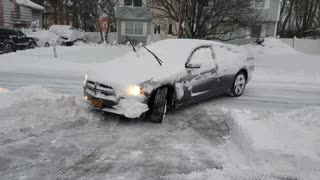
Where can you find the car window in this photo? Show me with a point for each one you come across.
(12, 32)
(19, 33)
(203, 56)
(3, 33)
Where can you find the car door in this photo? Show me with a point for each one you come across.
(201, 70)
(13, 35)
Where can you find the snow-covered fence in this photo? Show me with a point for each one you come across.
(309, 46)
(95, 37)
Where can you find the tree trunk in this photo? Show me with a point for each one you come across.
(287, 18)
(182, 17)
(107, 32)
(100, 30)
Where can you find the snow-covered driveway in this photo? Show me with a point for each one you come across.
(46, 132)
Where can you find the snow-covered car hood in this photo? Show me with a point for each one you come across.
(131, 70)
(137, 68)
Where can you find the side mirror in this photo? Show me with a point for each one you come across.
(193, 66)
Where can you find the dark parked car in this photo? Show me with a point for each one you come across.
(12, 40)
(167, 74)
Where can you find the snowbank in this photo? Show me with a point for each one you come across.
(279, 62)
(286, 140)
(37, 108)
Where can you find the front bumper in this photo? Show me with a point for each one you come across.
(102, 98)
(107, 105)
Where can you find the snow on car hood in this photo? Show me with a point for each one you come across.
(131, 70)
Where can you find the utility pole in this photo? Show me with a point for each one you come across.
(182, 17)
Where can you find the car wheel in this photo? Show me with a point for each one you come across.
(239, 84)
(46, 44)
(32, 45)
(159, 105)
(8, 48)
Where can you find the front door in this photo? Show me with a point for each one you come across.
(201, 70)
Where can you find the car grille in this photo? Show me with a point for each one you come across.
(97, 88)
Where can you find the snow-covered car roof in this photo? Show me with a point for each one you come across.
(173, 50)
(66, 32)
(30, 4)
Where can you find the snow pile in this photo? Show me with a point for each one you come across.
(288, 140)
(36, 108)
(270, 46)
(278, 62)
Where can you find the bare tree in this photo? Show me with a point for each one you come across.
(210, 19)
(298, 16)
(107, 8)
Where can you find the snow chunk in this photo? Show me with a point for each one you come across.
(270, 46)
(131, 107)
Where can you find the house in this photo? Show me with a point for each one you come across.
(265, 25)
(134, 21)
(20, 13)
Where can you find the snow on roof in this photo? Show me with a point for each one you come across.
(60, 28)
(30, 4)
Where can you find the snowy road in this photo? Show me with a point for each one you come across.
(260, 95)
(55, 137)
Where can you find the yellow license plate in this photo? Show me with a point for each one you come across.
(96, 103)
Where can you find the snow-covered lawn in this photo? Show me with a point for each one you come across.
(271, 132)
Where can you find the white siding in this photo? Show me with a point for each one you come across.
(145, 29)
(16, 14)
(123, 28)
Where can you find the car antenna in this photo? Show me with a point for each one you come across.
(157, 58)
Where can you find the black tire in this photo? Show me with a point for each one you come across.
(158, 106)
(8, 48)
(239, 84)
(46, 44)
(32, 45)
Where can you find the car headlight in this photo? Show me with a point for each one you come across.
(135, 91)
(85, 79)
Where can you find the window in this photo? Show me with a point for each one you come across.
(128, 2)
(204, 57)
(138, 28)
(129, 28)
(135, 3)
(261, 4)
(170, 29)
(134, 28)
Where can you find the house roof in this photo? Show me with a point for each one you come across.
(29, 4)
(137, 13)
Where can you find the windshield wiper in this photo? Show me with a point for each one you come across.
(134, 49)
(155, 56)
